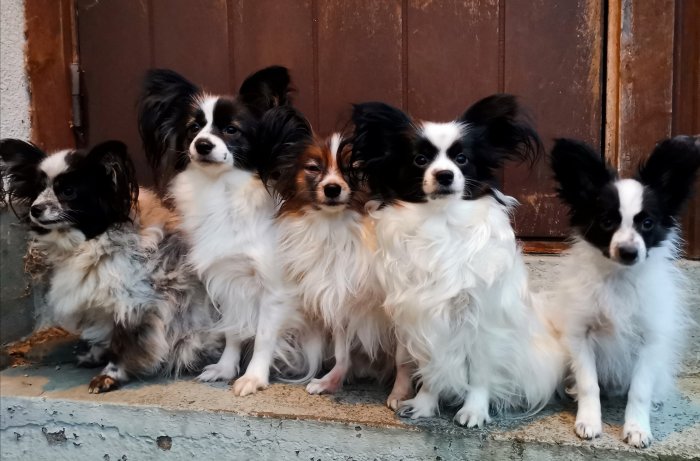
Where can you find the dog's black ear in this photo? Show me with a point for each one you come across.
(265, 89)
(111, 162)
(382, 133)
(19, 171)
(579, 170)
(163, 107)
(671, 170)
(282, 136)
(498, 129)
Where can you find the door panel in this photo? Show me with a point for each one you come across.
(431, 58)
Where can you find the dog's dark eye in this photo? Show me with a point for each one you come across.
(648, 224)
(461, 159)
(607, 224)
(230, 129)
(420, 160)
(194, 128)
(312, 168)
(67, 193)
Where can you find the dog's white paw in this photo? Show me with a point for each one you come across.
(636, 435)
(323, 386)
(249, 384)
(589, 429)
(395, 398)
(218, 372)
(473, 415)
(417, 408)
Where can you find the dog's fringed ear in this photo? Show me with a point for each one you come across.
(265, 89)
(111, 161)
(671, 170)
(579, 170)
(282, 136)
(499, 130)
(382, 132)
(163, 107)
(19, 171)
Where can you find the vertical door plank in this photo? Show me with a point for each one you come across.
(686, 101)
(359, 56)
(553, 61)
(49, 54)
(114, 49)
(267, 32)
(452, 54)
(645, 81)
(192, 41)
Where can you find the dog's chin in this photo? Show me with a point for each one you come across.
(49, 224)
(442, 193)
(333, 206)
(210, 164)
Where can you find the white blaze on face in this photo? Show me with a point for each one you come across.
(333, 176)
(631, 195)
(442, 136)
(220, 152)
(52, 166)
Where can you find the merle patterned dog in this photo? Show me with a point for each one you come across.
(118, 274)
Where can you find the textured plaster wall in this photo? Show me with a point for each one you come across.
(14, 91)
(16, 306)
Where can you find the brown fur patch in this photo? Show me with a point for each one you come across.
(152, 212)
(102, 383)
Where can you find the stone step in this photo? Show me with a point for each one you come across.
(47, 413)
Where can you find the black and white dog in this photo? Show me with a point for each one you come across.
(455, 282)
(228, 215)
(118, 273)
(619, 304)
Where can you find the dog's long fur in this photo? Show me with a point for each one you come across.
(326, 241)
(456, 285)
(118, 280)
(228, 215)
(619, 303)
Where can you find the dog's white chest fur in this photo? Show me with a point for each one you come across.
(619, 309)
(97, 281)
(229, 221)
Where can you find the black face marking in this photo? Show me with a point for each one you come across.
(391, 153)
(96, 190)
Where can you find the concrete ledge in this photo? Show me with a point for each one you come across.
(48, 414)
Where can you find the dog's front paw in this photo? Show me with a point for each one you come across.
(473, 416)
(102, 383)
(396, 397)
(416, 408)
(323, 386)
(218, 372)
(589, 429)
(636, 435)
(248, 384)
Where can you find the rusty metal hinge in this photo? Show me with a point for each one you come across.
(76, 96)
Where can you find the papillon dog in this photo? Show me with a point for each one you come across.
(227, 213)
(619, 303)
(326, 240)
(455, 281)
(117, 269)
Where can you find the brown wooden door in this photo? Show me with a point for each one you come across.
(432, 58)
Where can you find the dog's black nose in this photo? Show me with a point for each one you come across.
(332, 190)
(444, 177)
(203, 146)
(36, 210)
(628, 254)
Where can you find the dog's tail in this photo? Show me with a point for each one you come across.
(299, 354)
(545, 364)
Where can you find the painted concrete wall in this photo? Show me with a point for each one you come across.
(16, 304)
(14, 91)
